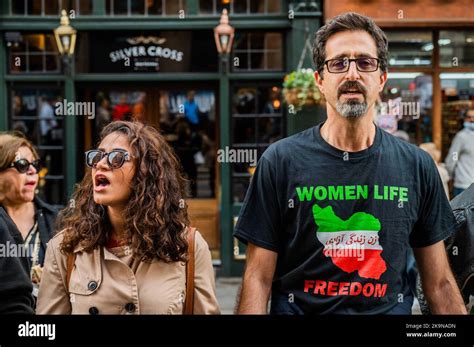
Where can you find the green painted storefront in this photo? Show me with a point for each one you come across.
(294, 18)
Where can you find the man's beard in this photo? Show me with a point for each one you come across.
(351, 108)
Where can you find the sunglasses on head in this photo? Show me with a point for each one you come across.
(22, 165)
(115, 158)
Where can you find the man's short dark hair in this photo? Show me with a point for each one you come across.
(349, 22)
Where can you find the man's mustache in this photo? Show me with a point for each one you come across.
(351, 85)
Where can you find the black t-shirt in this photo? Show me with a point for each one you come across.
(342, 222)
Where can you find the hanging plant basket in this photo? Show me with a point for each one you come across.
(300, 90)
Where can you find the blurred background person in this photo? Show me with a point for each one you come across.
(122, 110)
(460, 159)
(188, 143)
(47, 121)
(103, 114)
(435, 153)
(30, 220)
(138, 113)
(191, 110)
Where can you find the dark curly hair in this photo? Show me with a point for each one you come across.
(349, 22)
(156, 214)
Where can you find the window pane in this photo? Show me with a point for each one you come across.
(257, 61)
(240, 6)
(34, 7)
(137, 7)
(35, 63)
(52, 62)
(206, 6)
(406, 111)
(85, 7)
(222, 4)
(269, 100)
(240, 61)
(18, 63)
(239, 188)
(155, 7)
(18, 7)
(257, 40)
(409, 48)
(120, 7)
(244, 130)
(258, 6)
(457, 91)
(258, 51)
(36, 53)
(241, 41)
(456, 48)
(68, 5)
(245, 101)
(256, 123)
(53, 191)
(51, 161)
(50, 43)
(274, 61)
(51, 7)
(269, 130)
(273, 6)
(172, 7)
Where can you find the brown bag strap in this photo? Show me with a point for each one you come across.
(189, 300)
(71, 259)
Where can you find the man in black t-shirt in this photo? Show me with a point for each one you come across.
(332, 211)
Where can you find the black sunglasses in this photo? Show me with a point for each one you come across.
(22, 165)
(115, 158)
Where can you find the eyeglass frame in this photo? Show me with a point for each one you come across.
(37, 167)
(127, 157)
(349, 64)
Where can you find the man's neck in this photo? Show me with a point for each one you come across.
(349, 134)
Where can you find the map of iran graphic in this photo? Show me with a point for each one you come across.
(352, 244)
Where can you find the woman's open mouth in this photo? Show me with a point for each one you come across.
(100, 183)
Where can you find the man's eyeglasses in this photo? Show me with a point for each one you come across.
(22, 165)
(341, 65)
(115, 158)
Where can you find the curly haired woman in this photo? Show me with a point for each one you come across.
(123, 247)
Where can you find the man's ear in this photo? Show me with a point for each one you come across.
(383, 80)
(319, 81)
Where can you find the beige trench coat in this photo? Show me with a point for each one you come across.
(102, 283)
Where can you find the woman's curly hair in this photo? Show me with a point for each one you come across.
(155, 216)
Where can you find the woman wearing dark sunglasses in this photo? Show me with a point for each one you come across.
(124, 245)
(26, 224)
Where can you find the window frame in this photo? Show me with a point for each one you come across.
(27, 54)
(110, 9)
(256, 116)
(230, 8)
(250, 51)
(61, 6)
